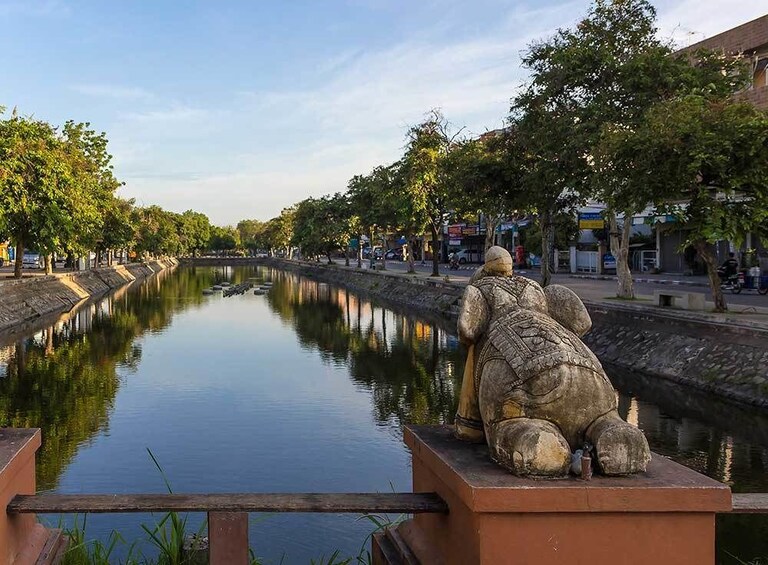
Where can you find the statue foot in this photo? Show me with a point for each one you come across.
(531, 447)
(621, 447)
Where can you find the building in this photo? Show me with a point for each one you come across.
(749, 40)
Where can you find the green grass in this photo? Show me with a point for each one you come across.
(168, 534)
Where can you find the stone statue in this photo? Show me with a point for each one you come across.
(531, 388)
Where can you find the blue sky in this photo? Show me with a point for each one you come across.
(238, 109)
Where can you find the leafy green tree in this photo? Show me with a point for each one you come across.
(157, 231)
(426, 182)
(703, 159)
(601, 75)
(486, 178)
(278, 232)
(118, 229)
(195, 231)
(92, 188)
(35, 200)
(250, 233)
(223, 239)
(321, 225)
(380, 204)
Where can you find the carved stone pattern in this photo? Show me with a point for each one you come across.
(532, 344)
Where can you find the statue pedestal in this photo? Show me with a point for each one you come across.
(23, 541)
(666, 515)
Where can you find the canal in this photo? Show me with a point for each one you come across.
(304, 389)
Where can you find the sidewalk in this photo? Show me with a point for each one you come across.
(675, 279)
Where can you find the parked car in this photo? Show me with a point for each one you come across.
(32, 260)
(396, 253)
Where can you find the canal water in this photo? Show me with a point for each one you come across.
(304, 389)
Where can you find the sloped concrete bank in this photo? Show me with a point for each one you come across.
(27, 299)
(728, 360)
(434, 298)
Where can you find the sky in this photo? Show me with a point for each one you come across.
(238, 109)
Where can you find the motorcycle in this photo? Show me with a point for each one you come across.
(453, 264)
(733, 282)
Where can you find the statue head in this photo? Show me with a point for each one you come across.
(498, 262)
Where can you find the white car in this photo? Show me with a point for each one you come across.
(32, 260)
(465, 256)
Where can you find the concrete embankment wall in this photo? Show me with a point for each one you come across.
(726, 359)
(30, 298)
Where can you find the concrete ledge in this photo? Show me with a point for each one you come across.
(664, 516)
(30, 298)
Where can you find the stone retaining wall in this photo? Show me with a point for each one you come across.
(727, 360)
(26, 299)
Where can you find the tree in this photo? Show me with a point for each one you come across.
(551, 172)
(426, 183)
(704, 159)
(92, 188)
(223, 239)
(321, 225)
(118, 229)
(279, 231)
(604, 74)
(157, 231)
(195, 231)
(486, 178)
(250, 233)
(36, 201)
(380, 203)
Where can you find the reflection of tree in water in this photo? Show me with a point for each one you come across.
(63, 379)
(413, 369)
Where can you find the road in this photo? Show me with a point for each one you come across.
(597, 288)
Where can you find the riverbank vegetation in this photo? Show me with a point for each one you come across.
(58, 197)
(611, 113)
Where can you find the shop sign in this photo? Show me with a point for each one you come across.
(591, 221)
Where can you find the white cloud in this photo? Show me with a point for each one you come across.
(35, 8)
(175, 113)
(112, 91)
(272, 148)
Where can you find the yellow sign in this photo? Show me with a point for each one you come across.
(591, 221)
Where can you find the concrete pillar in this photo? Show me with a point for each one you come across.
(22, 539)
(666, 515)
(574, 257)
(601, 250)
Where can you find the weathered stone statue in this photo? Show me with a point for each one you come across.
(531, 388)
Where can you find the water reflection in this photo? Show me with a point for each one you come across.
(412, 368)
(63, 378)
(255, 393)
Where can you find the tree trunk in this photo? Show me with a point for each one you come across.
(19, 261)
(411, 258)
(346, 256)
(490, 230)
(330, 261)
(48, 264)
(547, 242)
(620, 252)
(360, 250)
(384, 254)
(435, 254)
(714, 280)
